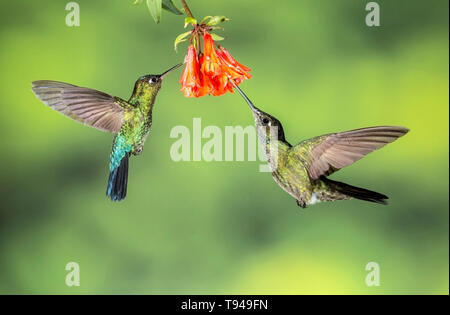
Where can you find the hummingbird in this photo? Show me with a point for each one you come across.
(130, 120)
(302, 170)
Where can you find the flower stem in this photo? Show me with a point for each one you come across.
(189, 14)
(186, 9)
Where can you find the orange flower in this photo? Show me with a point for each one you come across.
(212, 71)
(190, 79)
(206, 85)
(239, 69)
(211, 65)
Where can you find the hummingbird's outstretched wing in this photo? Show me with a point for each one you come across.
(88, 106)
(326, 154)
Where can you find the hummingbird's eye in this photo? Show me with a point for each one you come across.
(265, 121)
(153, 80)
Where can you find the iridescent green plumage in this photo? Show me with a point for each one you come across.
(129, 120)
(301, 170)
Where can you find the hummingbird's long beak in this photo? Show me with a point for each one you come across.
(170, 70)
(253, 107)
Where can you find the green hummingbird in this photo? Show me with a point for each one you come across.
(302, 170)
(130, 120)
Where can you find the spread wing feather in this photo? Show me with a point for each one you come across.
(326, 154)
(88, 106)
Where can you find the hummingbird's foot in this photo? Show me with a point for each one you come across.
(301, 204)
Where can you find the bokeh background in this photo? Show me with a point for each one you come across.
(224, 227)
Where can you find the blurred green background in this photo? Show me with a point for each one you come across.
(224, 227)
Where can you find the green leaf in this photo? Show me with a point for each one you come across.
(181, 38)
(169, 6)
(217, 28)
(206, 18)
(216, 37)
(155, 8)
(194, 42)
(214, 20)
(137, 2)
(188, 21)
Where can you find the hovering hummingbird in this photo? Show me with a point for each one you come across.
(302, 170)
(130, 120)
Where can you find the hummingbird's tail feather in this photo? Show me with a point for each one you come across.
(118, 180)
(354, 192)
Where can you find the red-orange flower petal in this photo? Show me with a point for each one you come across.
(220, 83)
(190, 79)
(206, 85)
(236, 67)
(211, 65)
